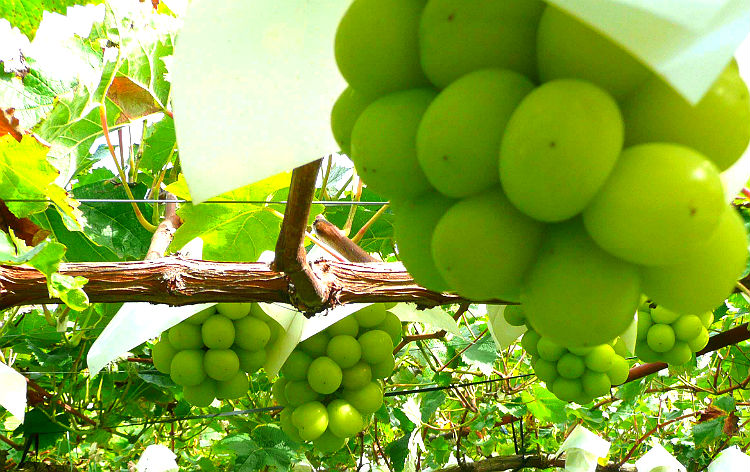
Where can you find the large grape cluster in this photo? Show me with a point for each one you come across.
(210, 354)
(529, 158)
(331, 383)
(666, 336)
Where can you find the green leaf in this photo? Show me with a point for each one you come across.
(544, 406)
(708, 431)
(726, 403)
(397, 451)
(431, 401)
(27, 14)
(32, 96)
(481, 355)
(69, 290)
(158, 146)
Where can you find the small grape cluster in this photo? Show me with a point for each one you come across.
(572, 374)
(529, 158)
(210, 354)
(330, 384)
(666, 336)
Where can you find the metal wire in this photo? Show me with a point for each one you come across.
(147, 200)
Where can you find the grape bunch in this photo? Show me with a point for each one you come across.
(330, 384)
(530, 159)
(666, 336)
(210, 354)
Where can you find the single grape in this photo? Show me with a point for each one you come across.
(549, 350)
(273, 325)
(413, 224)
(324, 375)
(357, 376)
(186, 369)
(546, 371)
(679, 354)
(568, 48)
(391, 325)
(600, 358)
(376, 345)
(251, 333)
(706, 276)
(348, 325)
(644, 323)
(328, 443)
(201, 316)
(162, 354)
(298, 392)
(343, 419)
(680, 200)
(459, 136)
(514, 315)
(296, 365)
(311, 420)
(371, 315)
(567, 390)
(201, 395)
(383, 369)
(645, 353)
(559, 147)
(570, 366)
(595, 384)
(699, 342)
(577, 294)
(483, 246)
(250, 361)
(619, 371)
(316, 344)
(530, 341)
(185, 336)
(580, 351)
(221, 364)
(234, 388)
(457, 37)
(217, 332)
(660, 337)
(377, 48)
(234, 311)
(687, 327)
(287, 425)
(717, 126)
(344, 350)
(344, 114)
(366, 400)
(278, 391)
(620, 348)
(707, 318)
(663, 316)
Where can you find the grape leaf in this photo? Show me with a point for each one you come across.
(481, 355)
(159, 145)
(80, 247)
(27, 14)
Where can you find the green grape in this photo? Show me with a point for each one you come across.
(706, 276)
(316, 344)
(298, 392)
(217, 332)
(348, 325)
(384, 147)
(344, 350)
(344, 114)
(514, 315)
(221, 364)
(343, 419)
(699, 342)
(357, 376)
(201, 395)
(644, 323)
(577, 294)
(413, 224)
(376, 345)
(328, 443)
(663, 316)
(234, 311)
(185, 336)
(324, 375)
(460, 36)
(595, 384)
(273, 325)
(661, 201)
(567, 48)
(619, 371)
(580, 351)
(583, 399)
(367, 399)
(391, 325)
(250, 361)
(371, 315)
(459, 136)
(296, 365)
(311, 420)
(278, 391)
(235, 387)
(660, 337)
(600, 358)
(546, 371)
(549, 350)
(620, 348)
(483, 246)
(707, 319)
(383, 369)
(645, 353)
(201, 316)
(560, 145)
(570, 366)
(162, 354)
(251, 333)
(679, 354)
(716, 127)
(530, 341)
(687, 327)
(287, 425)
(567, 390)
(377, 46)
(186, 369)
